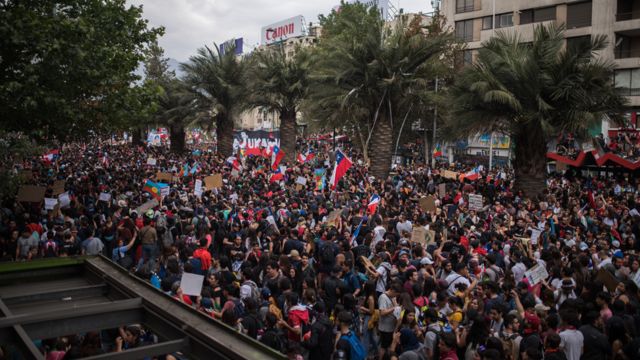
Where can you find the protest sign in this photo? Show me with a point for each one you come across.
(31, 193)
(448, 174)
(26, 174)
(151, 161)
(198, 188)
(301, 180)
(164, 191)
(146, 206)
(536, 274)
(191, 284)
(475, 202)
(428, 203)
(419, 235)
(162, 176)
(535, 235)
(636, 279)
(106, 197)
(367, 263)
(332, 219)
(213, 182)
(64, 199)
(299, 187)
(234, 173)
(442, 190)
(606, 278)
(58, 187)
(50, 203)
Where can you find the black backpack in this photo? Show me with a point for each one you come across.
(327, 255)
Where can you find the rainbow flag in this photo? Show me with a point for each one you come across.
(319, 179)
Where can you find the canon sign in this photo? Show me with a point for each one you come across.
(283, 30)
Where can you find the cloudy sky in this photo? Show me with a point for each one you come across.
(190, 24)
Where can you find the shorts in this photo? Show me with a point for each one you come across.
(385, 339)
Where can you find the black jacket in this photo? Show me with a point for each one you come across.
(320, 344)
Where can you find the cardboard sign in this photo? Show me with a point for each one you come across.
(301, 180)
(419, 235)
(198, 188)
(160, 176)
(26, 174)
(106, 197)
(50, 203)
(152, 161)
(367, 263)
(442, 190)
(332, 219)
(213, 182)
(448, 174)
(536, 274)
(64, 199)
(31, 193)
(475, 202)
(146, 206)
(191, 284)
(605, 277)
(58, 187)
(428, 204)
(299, 187)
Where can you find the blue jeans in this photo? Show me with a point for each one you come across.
(368, 338)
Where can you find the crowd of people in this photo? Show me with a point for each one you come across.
(321, 273)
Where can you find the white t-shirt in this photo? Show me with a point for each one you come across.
(571, 342)
(381, 283)
(454, 279)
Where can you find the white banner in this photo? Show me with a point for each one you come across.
(282, 30)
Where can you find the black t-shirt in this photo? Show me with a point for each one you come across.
(250, 323)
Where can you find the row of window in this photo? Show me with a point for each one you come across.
(578, 15)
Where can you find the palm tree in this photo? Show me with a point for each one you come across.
(364, 75)
(176, 110)
(532, 91)
(277, 83)
(216, 81)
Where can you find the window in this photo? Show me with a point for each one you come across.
(502, 21)
(627, 82)
(537, 15)
(579, 15)
(464, 30)
(487, 23)
(463, 58)
(464, 6)
(578, 42)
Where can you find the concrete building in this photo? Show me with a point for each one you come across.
(619, 20)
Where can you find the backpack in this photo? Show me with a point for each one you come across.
(238, 308)
(357, 350)
(327, 255)
(167, 237)
(255, 292)
(508, 345)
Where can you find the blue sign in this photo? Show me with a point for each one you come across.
(236, 43)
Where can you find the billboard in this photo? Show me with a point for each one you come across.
(383, 5)
(282, 30)
(229, 43)
(252, 142)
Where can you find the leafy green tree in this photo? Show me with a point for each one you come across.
(532, 91)
(176, 110)
(279, 83)
(216, 81)
(366, 76)
(66, 65)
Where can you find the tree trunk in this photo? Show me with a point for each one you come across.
(530, 163)
(381, 148)
(137, 136)
(288, 135)
(224, 136)
(177, 134)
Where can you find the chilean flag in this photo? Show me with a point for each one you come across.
(276, 157)
(51, 156)
(303, 158)
(277, 175)
(343, 163)
(471, 175)
(233, 161)
(373, 204)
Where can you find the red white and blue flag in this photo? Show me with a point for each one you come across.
(308, 156)
(471, 175)
(276, 157)
(51, 156)
(343, 163)
(373, 204)
(277, 175)
(233, 161)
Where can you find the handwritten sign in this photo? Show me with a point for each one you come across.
(536, 274)
(448, 174)
(301, 180)
(442, 190)
(428, 203)
(106, 197)
(64, 199)
(31, 193)
(50, 203)
(475, 202)
(58, 187)
(334, 216)
(151, 161)
(535, 235)
(198, 188)
(213, 182)
(161, 176)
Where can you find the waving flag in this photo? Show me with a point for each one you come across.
(195, 169)
(233, 161)
(184, 171)
(308, 156)
(276, 157)
(357, 232)
(277, 175)
(470, 175)
(155, 189)
(373, 204)
(343, 163)
(51, 156)
(437, 150)
(319, 179)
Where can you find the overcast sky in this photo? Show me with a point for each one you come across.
(190, 24)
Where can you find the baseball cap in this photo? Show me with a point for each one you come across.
(426, 261)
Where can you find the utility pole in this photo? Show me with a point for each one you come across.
(433, 138)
